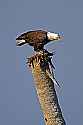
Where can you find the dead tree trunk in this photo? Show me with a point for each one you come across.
(45, 90)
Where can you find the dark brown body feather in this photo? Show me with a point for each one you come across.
(37, 39)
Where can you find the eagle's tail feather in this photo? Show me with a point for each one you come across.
(20, 42)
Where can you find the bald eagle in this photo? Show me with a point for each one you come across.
(37, 38)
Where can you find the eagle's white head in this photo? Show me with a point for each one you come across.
(54, 36)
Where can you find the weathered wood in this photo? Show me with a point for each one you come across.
(46, 92)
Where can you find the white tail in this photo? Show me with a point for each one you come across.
(20, 42)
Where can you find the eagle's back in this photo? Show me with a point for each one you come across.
(36, 37)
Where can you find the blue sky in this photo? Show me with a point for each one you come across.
(18, 100)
